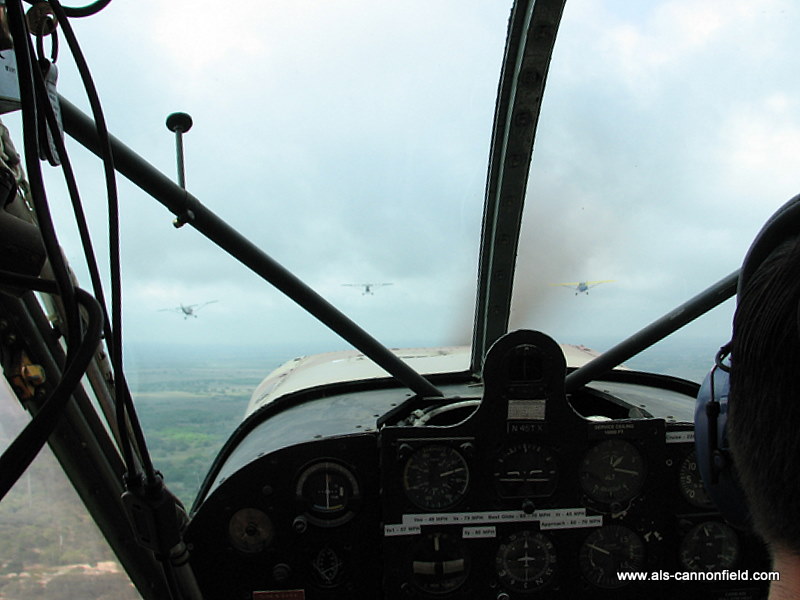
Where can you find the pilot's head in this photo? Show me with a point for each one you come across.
(764, 420)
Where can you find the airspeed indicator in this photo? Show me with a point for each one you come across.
(436, 477)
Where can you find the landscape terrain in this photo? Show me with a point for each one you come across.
(50, 547)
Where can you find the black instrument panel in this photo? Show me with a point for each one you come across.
(513, 496)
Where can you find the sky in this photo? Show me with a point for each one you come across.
(672, 134)
(349, 140)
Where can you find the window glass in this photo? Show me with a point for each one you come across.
(669, 133)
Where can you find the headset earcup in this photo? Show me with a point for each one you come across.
(781, 226)
(714, 458)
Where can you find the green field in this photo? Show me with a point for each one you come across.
(188, 405)
(187, 413)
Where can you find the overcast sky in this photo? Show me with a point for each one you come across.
(349, 140)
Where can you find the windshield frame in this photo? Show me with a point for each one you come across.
(532, 33)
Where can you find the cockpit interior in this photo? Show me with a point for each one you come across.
(507, 488)
(515, 467)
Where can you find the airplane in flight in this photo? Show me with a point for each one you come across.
(368, 287)
(188, 310)
(516, 468)
(583, 286)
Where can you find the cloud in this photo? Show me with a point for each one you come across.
(656, 159)
(764, 138)
(350, 143)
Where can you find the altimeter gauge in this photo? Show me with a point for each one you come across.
(525, 561)
(612, 472)
(436, 477)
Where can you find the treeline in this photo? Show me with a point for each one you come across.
(184, 434)
(76, 584)
(44, 525)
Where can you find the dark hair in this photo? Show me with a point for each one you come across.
(764, 420)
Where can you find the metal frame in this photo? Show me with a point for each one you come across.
(80, 441)
(532, 33)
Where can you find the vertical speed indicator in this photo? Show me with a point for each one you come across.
(691, 484)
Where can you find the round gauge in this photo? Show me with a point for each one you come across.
(435, 477)
(439, 564)
(328, 491)
(250, 530)
(525, 561)
(327, 567)
(610, 550)
(525, 471)
(709, 546)
(691, 483)
(612, 472)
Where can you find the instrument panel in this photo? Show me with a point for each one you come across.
(502, 491)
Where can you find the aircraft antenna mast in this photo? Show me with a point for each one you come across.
(179, 123)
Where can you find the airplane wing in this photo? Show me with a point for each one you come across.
(573, 284)
(594, 283)
(366, 286)
(197, 307)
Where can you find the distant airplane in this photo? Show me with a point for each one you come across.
(189, 310)
(367, 287)
(582, 286)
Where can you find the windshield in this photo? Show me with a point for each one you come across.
(347, 140)
(668, 134)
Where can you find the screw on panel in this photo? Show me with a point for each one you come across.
(33, 374)
(404, 451)
(300, 524)
(468, 449)
(281, 572)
